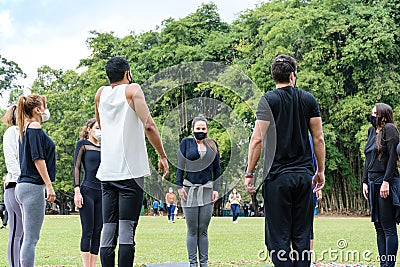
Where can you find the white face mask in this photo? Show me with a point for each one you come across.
(97, 134)
(45, 115)
(171, 190)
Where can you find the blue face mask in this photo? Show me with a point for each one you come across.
(200, 135)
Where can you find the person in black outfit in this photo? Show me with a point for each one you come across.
(287, 193)
(88, 192)
(380, 178)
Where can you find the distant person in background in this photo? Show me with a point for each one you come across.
(37, 155)
(11, 156)
(161, 208)
(235, 199)
(155, 207)
(246, 210)
(381, 181)
(88, 191)
(170, 199)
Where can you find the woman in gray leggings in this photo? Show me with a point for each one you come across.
(10, 150)
(38, 171)
(199, 158)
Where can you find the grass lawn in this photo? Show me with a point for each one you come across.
(230, 244)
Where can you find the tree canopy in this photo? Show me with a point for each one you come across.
(348, 58)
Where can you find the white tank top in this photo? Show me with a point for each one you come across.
(123, 146)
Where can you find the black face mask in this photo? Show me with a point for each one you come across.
(372, 120)
(200, 135)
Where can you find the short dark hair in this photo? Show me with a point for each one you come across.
(281, 68)
(116, 68)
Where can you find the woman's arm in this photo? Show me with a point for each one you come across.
(10, 149)
(181, 164)
(42, 169)
(216, 170)
(392, 137)
(79, 149)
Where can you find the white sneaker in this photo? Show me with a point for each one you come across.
(169, 221)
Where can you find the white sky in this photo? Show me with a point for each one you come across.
(53, 32)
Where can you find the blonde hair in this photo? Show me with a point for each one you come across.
(84, 134)
(25, 107)
(211, 143)
(10, 117)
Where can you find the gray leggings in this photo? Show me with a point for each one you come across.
(32, 201)
(15, 224)
(197, 221)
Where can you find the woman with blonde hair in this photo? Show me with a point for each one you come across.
(11, 156)
(37, 154)
(88, 191)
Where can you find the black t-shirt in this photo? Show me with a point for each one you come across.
(87, 155)
(288, 110)
(36, 144)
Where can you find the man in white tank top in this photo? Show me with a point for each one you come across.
(124, 119)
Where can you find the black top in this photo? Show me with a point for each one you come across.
(198, 170)
(87, 155)
(36, 144)
(385, 166)
(291, 110)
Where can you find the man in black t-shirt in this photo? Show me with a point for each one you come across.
(285, 116)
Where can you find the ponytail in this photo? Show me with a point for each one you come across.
(25, 107)
(21, 115)
(84, 134)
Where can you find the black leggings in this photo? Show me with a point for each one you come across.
(386, 232)
(91, 220)
(122, 202)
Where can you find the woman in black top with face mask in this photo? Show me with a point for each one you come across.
(88, 192)
(198, 158)
(380, 177)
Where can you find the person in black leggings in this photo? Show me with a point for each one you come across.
(380, 178)
(88, 192)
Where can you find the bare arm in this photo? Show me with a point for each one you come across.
(96, 105)
(255, 149)
(319, 151)
(139, 105)
(256, 144)
(42, 169)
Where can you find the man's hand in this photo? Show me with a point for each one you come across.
(318, 181)
(249, 185)
(163, 164)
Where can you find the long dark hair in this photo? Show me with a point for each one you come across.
(84, 134)
(207, 141)
(384, 115)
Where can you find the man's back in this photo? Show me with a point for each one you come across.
(291, 109)
(123, 152)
